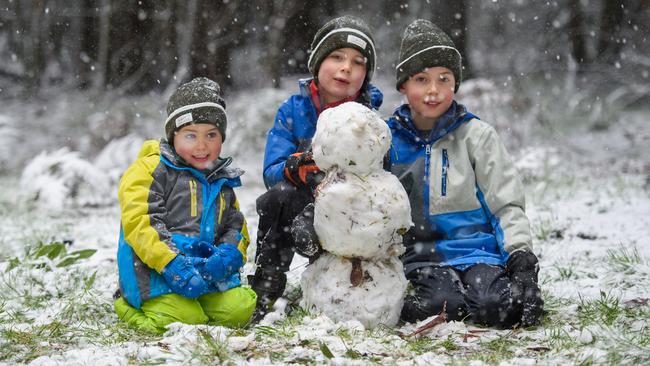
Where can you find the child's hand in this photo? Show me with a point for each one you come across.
(522, 269)
(200, 249)
(301, 170)
(183, 278)
(232, 257)
(225, 261)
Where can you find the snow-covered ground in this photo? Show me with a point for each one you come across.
(588, 198)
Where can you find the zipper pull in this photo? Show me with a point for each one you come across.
(427, 149)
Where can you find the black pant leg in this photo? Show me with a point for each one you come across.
(432, 288)
(276, 208)
(489, 297)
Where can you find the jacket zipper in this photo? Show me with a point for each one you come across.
(445, 168)
(427, 161)
(193, 204)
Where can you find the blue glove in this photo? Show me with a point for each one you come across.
(225, 261)
(201, 249)
(183, 278)
(232, 257)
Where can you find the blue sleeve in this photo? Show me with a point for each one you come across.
(280, 143)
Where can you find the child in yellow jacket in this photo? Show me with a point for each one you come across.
(183, 239)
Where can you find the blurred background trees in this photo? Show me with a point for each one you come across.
(138, 46)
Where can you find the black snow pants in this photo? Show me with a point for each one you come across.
(276, 208)
(482, 294)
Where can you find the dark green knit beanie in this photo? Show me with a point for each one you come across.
(425, 45)
(342, 32)
(198, 101)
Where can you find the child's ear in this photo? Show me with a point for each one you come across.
(402, 90)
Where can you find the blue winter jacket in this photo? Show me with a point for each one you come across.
(467, 201)
(295, 126)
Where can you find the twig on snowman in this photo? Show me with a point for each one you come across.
(356, 274)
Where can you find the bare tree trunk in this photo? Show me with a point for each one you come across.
(451, 17)
(280, 12)
(611, 24)
(185, 35)
(101, 68)
(30, 21)
(575, 29)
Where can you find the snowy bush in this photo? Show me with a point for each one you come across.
(9, 141)
(116, 157)
(250, 116)
(62, 179)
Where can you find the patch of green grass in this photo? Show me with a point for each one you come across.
(624, 258)
(448, 344)
(559, 339)
(547, 229)
(502, 345)
(565, 272)
(604, 310)
(77, 313)
(421, 345)
(210, 350)
(344, 334)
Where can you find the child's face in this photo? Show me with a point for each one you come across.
(429, 94)
(341, 74)
(198, 144)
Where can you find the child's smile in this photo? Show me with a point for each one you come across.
(429, 93)
(198, 144)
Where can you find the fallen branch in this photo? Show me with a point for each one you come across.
(439, 319)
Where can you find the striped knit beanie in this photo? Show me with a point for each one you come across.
(342, 32)
(425, 45)
(198, 101)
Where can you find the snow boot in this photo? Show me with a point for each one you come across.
(269, 285)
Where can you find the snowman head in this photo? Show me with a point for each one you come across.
(351, 138)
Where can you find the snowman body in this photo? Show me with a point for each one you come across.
(360, 214)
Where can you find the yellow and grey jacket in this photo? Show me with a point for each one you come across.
(467, 201)
(166, 207)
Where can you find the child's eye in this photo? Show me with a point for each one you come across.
(444, 78)
(189, 136)
(336, 56)
(360, 61)
(212, 135)
(420, 79)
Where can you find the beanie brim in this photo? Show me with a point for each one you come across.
(433, 56)
(207, 112)
(342, 38)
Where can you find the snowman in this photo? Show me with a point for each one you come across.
(360, 214)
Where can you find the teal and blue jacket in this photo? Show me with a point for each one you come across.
(467, 200)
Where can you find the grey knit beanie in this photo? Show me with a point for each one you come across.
(198, 101)
(342, 32)
(425, 45)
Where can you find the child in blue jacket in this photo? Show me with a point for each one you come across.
(470, 246)
(342, 61)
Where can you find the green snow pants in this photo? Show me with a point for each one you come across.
(232, 308)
